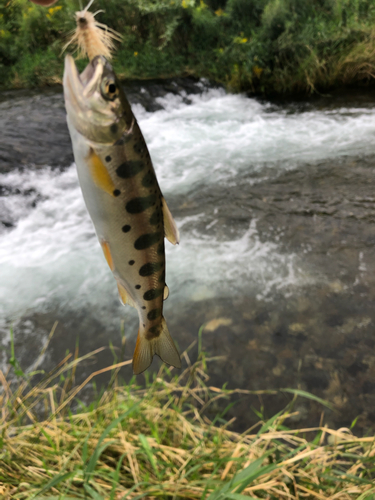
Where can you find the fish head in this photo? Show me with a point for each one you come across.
(95, 102)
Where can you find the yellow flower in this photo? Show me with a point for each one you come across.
(219, 12)
(135, 54)
(190, 3)
(257, 71)
(238, 39)
(52, 10)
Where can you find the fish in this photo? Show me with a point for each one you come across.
(123, 198)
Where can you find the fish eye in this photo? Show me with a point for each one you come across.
(110, 90)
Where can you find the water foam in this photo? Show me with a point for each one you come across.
(221, 135)
(51, 259)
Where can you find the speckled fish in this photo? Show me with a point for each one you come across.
(123, 198)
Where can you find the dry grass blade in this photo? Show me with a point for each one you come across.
(156, 441)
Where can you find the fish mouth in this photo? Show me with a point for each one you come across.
(79, 87)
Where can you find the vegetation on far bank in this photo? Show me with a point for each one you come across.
(267, 46)
(157, 441)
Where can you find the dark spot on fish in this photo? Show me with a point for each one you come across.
(116, 192)
(131, 262)
(154, 314)
(150, 268)
(143, 307)
(154, 219)
(130, 169)
(162, 277)
(152, 294)
(139, 148)
(114, 128)
(149, 180)
(108, 158)
(137, 287)
(153, 332)
(126, 229)
(146, 240)
(144, 325)
(138, 205)
(160, 250)
(126, 137)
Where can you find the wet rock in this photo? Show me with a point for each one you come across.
(33, 123)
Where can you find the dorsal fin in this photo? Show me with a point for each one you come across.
(170, 228)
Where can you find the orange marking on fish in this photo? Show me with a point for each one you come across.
(100, 174)
(107, 255)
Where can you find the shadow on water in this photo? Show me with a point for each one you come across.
(316, 335)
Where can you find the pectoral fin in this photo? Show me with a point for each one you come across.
(124, 296)
(170, 228)
(99, 173)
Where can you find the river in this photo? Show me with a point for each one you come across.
(275, 204)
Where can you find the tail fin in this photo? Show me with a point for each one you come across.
(162, 345)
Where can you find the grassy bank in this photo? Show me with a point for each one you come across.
(157, 441)
(267, 46)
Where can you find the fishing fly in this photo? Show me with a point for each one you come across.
(91, 37)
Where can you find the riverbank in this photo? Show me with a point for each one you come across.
(167, 439)
(269, 47)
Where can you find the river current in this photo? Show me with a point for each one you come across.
(275, 207)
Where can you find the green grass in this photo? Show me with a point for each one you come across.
(260, 46)
(156, 441)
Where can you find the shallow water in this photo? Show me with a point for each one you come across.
(274, 203)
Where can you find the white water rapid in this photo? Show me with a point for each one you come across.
(51, 258)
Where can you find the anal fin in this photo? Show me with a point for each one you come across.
(124, 296)
(170, 228)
